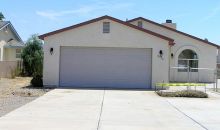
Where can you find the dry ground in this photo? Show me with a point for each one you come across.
(17, 92)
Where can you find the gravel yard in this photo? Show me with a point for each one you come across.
(17, 92)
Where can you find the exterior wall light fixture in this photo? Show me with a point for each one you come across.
(51, 50)
(172, 55)
(161, 53)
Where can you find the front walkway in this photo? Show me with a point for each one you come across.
(75, 109)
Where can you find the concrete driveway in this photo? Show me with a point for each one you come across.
(75, 109)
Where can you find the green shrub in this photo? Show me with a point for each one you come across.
(32, 56)
(37, 81)
(183, 93)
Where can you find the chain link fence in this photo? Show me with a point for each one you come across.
(187, 74)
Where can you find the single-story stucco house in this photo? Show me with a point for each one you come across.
(11, 46)
(11, 43)
(108, 52)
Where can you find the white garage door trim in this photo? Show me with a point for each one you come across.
(148, 70)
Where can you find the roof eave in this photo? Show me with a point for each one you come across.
(16, 33)
(70, 27)
(13, 30)
(177, 31)
(4, 25)
(170, 40)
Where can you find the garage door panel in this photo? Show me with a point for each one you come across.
(105, 67)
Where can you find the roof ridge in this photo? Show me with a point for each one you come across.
(175, 30)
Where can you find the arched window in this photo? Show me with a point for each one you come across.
(188, 58)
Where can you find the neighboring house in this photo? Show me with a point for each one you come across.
(218, 57)
(218, 64)
(108, 52)
(10, 42)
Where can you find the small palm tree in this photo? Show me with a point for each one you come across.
(2, 16)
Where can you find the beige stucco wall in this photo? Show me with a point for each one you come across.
(207, 53)
(91, 36)
(10, 54)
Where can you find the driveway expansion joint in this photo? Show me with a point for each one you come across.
(187, 115)
(103, 97)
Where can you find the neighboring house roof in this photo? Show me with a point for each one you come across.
(4, 24)
(170, 40)
(14, 45)
(177, 31)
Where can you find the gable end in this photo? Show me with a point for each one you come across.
(174, 30)
(170, 41)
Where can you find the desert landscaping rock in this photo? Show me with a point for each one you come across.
(16, 92)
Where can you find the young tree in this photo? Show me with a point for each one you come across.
(32, 56)
(1, 16)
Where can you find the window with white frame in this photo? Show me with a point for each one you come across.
(18, 53)
(106, 27)
(188, 59)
